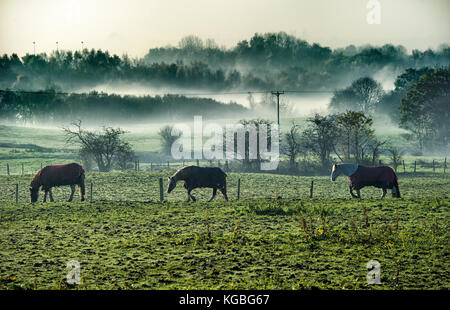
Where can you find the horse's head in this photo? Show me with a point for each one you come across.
(34, 193)
(334, 172)
(171, 185)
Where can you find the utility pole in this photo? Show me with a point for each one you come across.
(278, 93)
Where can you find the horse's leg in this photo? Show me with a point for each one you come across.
(213, 194)
(358, 194)
(72, 188)
(384, 193)
(224, 193)
(51, 194)
(45, 195)
(190, 196)
(351, 192)
(82, 190)
(81, 187)
(193, 198)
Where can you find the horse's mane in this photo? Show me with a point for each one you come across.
(181, 173)
(36, 182)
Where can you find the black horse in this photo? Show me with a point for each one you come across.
(198, 177)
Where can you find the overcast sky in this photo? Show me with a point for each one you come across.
(134, 26)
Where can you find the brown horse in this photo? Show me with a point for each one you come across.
(58, 175)
(200, 177)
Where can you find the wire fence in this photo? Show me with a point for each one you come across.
(418, 167)
(151, 186)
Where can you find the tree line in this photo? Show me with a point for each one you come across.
(50, 106)
(419, 103)
(265, 61)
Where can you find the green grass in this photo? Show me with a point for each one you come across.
(275, 237)
(127, 239)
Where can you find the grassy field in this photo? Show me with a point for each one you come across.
(275, 237)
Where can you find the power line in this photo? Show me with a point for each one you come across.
(44, 92)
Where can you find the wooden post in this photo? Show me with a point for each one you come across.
(198, 163)
(161, 190)
(91, 190)
(17, 193)
(445, 165)
(379, 163)
(239, 189)
(433, 166)
(7, 168)
(415, 165)
(226, 166)
(151, 166)
(311, 190)
(22, 168)
(404, 170)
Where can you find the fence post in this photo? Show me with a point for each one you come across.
(379, 162)
(404, 169)
(445, 165)
(239, 189)
(311, 190)
(17, 193)
(91, 190)
(7, 168)
(151, 166)
(433, 166)
(161, 191)
(22, 168)
(198, 163)
(415, 165)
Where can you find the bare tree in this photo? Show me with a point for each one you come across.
(320, 137)
(396, 156)
(167, 137)
(105, 147)
(291, 144)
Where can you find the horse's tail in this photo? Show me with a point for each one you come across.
(81, 186)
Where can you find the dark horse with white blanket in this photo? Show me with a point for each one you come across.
(58, 175)
(198, 177)
(360, 176)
